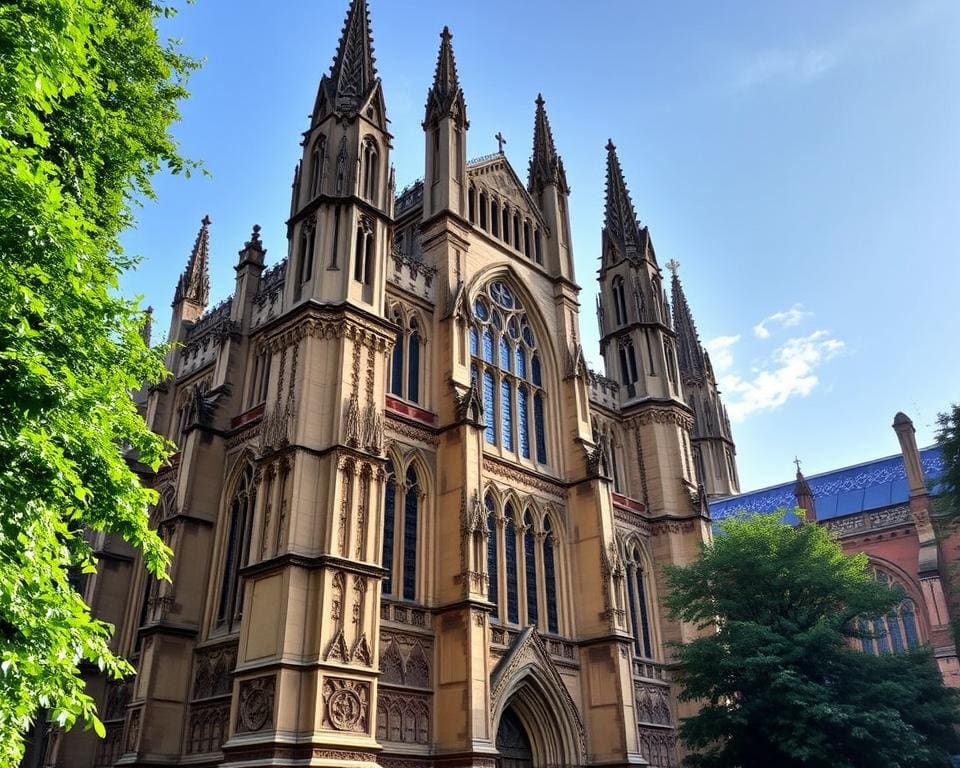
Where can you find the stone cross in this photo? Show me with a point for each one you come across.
(500, 141)
(796, 461)
(674, 266)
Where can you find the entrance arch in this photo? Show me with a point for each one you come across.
(513, 744)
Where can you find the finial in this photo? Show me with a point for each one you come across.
(446, 35)
(610, 145)
(540, 101)
(796, 461)
(500, 141)
(674, 266)
(206, 221)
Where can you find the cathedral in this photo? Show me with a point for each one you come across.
(411, 528)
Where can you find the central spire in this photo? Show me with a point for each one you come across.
(620, 218)
(691, 358)
(546, 167)
(194, 283)
(353, 73)
(445, 97)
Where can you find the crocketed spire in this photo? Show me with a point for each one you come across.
(620, 219)
(691, 358)
(445, 97)
(546, 167)
(194, 283)
(353, 73)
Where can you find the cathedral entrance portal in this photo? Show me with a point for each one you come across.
(513, 744)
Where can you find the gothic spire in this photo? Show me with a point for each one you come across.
(445, 97)
(804, 495)
(194, 283)
(620, 219)
(353, 72)
(546, 167)
(691, 358)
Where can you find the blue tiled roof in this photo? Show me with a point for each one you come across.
(873, 485)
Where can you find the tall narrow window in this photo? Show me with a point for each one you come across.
(316, 166)
(411, 509)
(396, 366)
(506, 225)
(526, 239)
(413, 363)
(495, 218)
(368, 260)
(359, 256)
(484, 210)
(504, 349)
(371, 170)
(510, 556)
(628, 362)
(237, 545)
(530, 570)
(389, 525)
(493, 557)
(550, 578)
(516, 231)
(472, 205)
(619, 301)
(639, 618)
(537, 246)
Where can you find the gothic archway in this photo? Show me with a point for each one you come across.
(513, 744)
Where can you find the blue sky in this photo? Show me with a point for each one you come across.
(800, 159)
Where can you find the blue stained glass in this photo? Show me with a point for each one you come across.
(493, 584)
(514, 328)
(538, 428)
(521, 363)
(413, 369)
(396, 378)
(510, 552)
(535, 365)
(501, 294)
(389, 514)
(410, 515)
(528, 335)
(881, 632)
(489, 414)
(497, 320)
(893, 623)
(644, 619)
(910, 624)
(473, 372)
(506, 414)
(474, 341)
(530, 568)
(480, 310)
(504, 354)
(550, 577)
(523, 421)
(488, 345)
(865, 638)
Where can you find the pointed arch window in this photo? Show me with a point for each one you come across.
(506, 224)
(628, 362)
(405, 367)
(639, 616)
(472, 204)
(401, 526)
(619, 300)
(236, 550)
(316, 165)
(550, 577)
(495, 218)
(506, 355)
(530, 569)
(484, 210)
(493, 556)
(364, 252)
(371, 170)
(527, 239)
(510, 569)
(896, 632)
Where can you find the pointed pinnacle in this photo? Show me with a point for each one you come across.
(354, 71)
(545, 165)
(691, 358)
(194, 283)
(620, 218)
(445, 91)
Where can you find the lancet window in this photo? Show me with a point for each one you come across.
(401, 527)
(896, 632)
(619, 300)
(260, 380)
(236, 549)
(507, 365)
(371, 170)
(405, 365)
(363, 257)
(316, 166)
(639, 597)
(522, 571)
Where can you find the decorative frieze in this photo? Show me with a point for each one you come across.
(516, 476)
(403, 717)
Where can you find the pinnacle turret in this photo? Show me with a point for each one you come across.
(620, 219)
(691, 358)
(194, 283)
(445, 97)
(546, 167)
(353, 72)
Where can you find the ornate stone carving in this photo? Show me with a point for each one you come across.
(408, 665)
(111, 748)
(208, 727)
(371, 436)
(211, 671)
(418, 434)
(403, 717)
(118, 696)
(255, 707)
(652, 704)
(516, 476)
(658, 747)
(345, 704)
(133, 730)
(469, 404)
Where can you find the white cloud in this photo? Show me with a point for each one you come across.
(791, 371)
(782, 64)
(788, 318)
(720, 353)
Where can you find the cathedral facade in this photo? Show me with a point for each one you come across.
(410, 527)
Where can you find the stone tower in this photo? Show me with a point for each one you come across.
(714, 452)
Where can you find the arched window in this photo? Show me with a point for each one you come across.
(510, 569)
(530, 569)
(230, 602)
(316, 166)
(516, 231)
(405, 362)
(308, 244)
(897, 631)
(639, 617)
(413, 363)
(472, 204)
(363, 257)
(396, 363)
(628, 362)
(537, 246)
(506, 357)
(484, 210)
(619, 300)
(401, 566)
(506, 224)
(371, 170)
(526, 239)
(495, 218)
(550, 577)
(493, 556)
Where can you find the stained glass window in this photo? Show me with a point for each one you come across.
(910, 623)
(410, 514)
(413, 365)
(897, 630)
(638, 606)
(504, 351)
(550, 579)
(493, 574)
(389, 521)
(510, 555)
(396, 378)
(530, 569)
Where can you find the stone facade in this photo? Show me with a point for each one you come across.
(410, 527)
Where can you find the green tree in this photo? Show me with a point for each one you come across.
(773, 670)
(88, 92)
(948, 438)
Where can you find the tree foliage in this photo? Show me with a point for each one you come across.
(948, 438)
(87, 95)
(777, 679)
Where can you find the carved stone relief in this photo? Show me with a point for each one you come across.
(255, 708)
(346, 704)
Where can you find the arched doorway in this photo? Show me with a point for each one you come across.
(513, 744)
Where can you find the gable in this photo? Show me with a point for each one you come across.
(494, 175)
